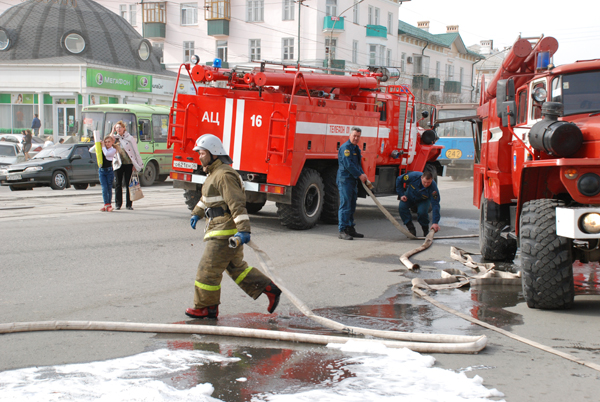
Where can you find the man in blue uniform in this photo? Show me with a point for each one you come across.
(416, 188)
(349, 173)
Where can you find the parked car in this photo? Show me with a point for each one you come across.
(36, 142)
(10, 154)
(58, 166)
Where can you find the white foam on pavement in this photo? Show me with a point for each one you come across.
(377, 374)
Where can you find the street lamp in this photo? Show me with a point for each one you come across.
(336, 19)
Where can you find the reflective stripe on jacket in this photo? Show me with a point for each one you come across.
(223, 188)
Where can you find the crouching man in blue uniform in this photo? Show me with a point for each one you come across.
(348, 176)
(416, 188)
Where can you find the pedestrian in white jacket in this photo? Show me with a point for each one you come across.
(127, 160)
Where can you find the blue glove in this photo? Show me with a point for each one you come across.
(244, 237)
(193, 221)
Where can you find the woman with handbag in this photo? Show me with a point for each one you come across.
(127, 161)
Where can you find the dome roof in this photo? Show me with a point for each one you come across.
(38, 31)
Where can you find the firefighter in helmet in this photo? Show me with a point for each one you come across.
(420, 190)
(223, 204)
(350, 172)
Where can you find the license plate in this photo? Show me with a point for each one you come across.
(14, 177)
(185, 165)
(453, 154)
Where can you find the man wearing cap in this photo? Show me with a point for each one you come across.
(223, 204)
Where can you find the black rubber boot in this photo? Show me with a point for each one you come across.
(411, 228)
(273, 293)
(352, 232)
(425, 230)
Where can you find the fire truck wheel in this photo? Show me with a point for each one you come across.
(148, 174)
(192, 197)
(331, 201)
(254, 207)
(307, 202)
(493, 246)
(546, 259)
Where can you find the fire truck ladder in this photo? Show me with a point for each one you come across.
(171, 139)
(299, 78)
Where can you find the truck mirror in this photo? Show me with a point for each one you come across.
(509, 111)
(425, 113)
(505, 91)
(432, 117)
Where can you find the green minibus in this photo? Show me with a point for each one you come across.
(147, 123)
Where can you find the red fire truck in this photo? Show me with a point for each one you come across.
(537, 169)
(283, 127)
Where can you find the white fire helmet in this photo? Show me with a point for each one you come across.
(212, 144)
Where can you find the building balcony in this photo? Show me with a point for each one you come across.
(333, 24)
(217, 27)
(378, 31)
(338, 64)
(154, 17)
(452, 87)
(434, 84)
(420, 82)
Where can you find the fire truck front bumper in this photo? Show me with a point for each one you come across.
(578, 223)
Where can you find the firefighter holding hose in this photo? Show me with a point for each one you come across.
(223, 204)
(418, 189)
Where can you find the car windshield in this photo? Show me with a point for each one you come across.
(579, 93)
(7, 150)
(56, 151)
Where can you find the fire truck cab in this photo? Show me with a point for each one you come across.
(283, 128)
(537, 182)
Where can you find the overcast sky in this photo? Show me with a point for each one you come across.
(574, 23)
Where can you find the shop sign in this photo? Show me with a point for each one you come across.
(143, 83)
(110, 80)
(163, 87)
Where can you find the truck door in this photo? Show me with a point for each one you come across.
(162, 155)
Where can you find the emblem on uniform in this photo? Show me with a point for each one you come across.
(347, 152)
(434, 193)
(405, 177)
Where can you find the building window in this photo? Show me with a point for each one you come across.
(288, 48)
(372, 55)
(288, 10)
(154, 12)
(256, 10)
(403, 62)
(388, 60)
(217, 10)
(188, 51)
(331, 8)
(376, 20)
(370, 16)
(161, 46)
(355, 52)
(421, 64)
(132, 15)
(222, 50)
(144, 50)
(330, 47)
(437, 69)
(355, 12)
(123, 11)
(254, 49)
(449, 72)
(462, 71)
(390, 25)
(189, 14)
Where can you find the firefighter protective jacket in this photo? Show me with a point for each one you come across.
(223, 188)
(410, 185)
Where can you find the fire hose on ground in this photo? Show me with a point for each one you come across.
(454, 278)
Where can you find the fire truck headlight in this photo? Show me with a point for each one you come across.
(195, 59)
(539, 94)
(590, 223)
(589, 184)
